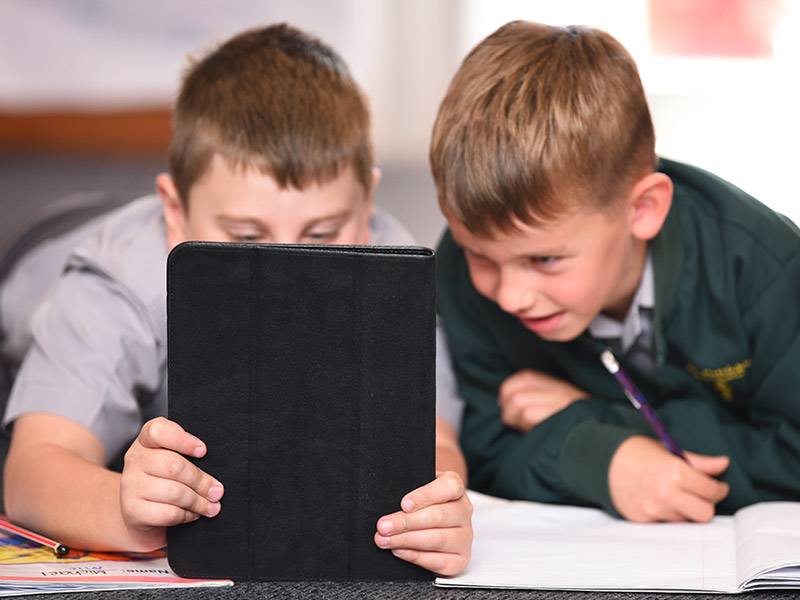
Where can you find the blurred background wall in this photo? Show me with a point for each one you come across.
(86, 85)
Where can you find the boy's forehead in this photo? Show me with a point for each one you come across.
(553, 237)
(496, 239)
(239, 188)
(516, 229)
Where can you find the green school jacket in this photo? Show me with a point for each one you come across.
(726, 348)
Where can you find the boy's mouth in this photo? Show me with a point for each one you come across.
(543, 324)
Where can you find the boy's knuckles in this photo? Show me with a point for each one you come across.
(428, 540)
(435, 562)
(437, 540)
(412, 556)
(451, 485)
(704, 513)
(447, 566)
(179, 495)
(402, 523)
(663, 494)
(433, 516)
(174, 515)
(533, 415)
(175, 467)
(455, 484)
(156, 429)
(152, 514)
(646, 513)
(669, 479)
(722, 492)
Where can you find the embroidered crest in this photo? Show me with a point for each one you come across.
(722, 377)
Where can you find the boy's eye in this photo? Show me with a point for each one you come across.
(246, 238)
(322, 237)
(244, 234)
(545, 261)
(476, 258)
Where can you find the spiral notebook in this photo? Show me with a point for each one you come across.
(309, 372)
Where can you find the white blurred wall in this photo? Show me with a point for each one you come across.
(90, 54)
(735, 117)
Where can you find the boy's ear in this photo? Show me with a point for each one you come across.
(370, 200)
(174, 213)
(376, 178)
(651, 200)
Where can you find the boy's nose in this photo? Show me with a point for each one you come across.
(513, 296)
(285, 238)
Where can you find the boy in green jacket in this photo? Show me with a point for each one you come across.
(568, 235)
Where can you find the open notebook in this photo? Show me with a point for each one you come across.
(539, 546)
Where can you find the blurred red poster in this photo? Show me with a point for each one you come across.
(713, 28)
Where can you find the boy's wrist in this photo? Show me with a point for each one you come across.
(585, 458)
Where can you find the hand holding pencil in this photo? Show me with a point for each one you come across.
(647, 484)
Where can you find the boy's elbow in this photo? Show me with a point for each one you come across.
(11, 502)
(19, 480)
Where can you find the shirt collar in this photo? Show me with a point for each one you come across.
(604, 327)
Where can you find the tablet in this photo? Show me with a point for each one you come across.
(309, 372)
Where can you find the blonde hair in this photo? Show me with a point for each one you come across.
(275, 99)
(539, 120)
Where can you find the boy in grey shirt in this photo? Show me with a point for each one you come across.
(271, 144)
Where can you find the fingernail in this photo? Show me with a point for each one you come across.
(213, 509)
(382, 542)
(215, 493)
(398, 552)
(407, 505)
(385, 527)
(198, 452)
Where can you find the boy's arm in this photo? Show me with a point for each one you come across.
(56, 483)
(448, 454)
(55, 480)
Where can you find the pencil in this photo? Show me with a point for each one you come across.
(638, 400)
(58, 548)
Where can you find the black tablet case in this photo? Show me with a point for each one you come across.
(309, 372)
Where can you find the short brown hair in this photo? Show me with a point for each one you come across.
(538, 120)
(275, 99)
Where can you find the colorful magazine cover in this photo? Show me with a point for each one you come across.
(30, 568)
